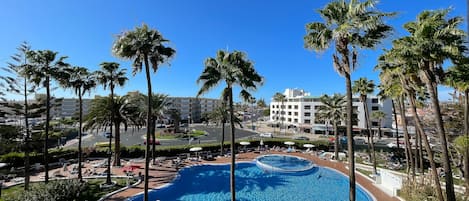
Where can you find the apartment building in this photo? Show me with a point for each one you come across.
(69, 107)
(191, 108)
(299, 110)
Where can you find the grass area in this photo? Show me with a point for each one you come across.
(92, 191)
(197, 133)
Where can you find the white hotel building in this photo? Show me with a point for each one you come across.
(300, 108)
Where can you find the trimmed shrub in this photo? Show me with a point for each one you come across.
(62, 190)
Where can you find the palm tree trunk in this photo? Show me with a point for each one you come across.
(108, 175)
(421, 135)
(26, 141)
(466, 132)
(117, 146)
(233, 146)
(153, 138)
(406, 137)
(351, 154)
(336, 143)
(222, 137)
(46, 137)
(441, 132)
(371, 143)
(80, 121)
(419, 126)
(147, 149)
(395, 120)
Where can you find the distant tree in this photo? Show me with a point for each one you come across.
(261, 103)
(279, 97)
(333, 109)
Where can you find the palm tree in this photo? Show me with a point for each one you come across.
(80, 80)
(348, 26)
(220, 115)
(159, 107)
(45, 66)
(433, 40)
(111, 76)
(148, 46)
(332, 108)
(363, 87)
(378, 116)
(279, 97)
(458, 77)
(400, 69)
(235, 70)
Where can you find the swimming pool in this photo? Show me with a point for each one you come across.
(211, 182)
(283, 163)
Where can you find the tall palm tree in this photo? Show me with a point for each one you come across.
(80, 80)
(333, 108)
(235, 70)
(458, 77)
(433, 40)
(45, 66)
(363, 87)
(144, 46)
(400, 69)
(111, 76)
(279, 97)
(348, 26)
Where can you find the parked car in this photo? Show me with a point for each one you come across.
(108, 135)
(301, 138)
(160, 126)
(266, 135)
(156, 142)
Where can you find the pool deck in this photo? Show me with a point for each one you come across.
(165, 173)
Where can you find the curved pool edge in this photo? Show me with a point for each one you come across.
(277, 169)
(358, 184)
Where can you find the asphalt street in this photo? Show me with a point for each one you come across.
(136, 137)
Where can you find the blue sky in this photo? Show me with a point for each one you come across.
(270, 32)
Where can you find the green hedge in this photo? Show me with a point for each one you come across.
(16, 159)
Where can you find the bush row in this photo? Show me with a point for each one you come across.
(16, 159)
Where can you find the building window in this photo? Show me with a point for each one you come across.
(374, 100)
(289, 119)
(374, 108)
(296, 113)
(289, 107)
(295, 120)
(307, 114)
(307, 121)
(289, 113)
(296, 107)
(307, 107)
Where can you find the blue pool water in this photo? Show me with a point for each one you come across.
(211, 183)
(283, 163)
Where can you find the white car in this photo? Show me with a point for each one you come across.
(266, 135)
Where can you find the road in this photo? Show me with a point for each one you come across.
(136, 137)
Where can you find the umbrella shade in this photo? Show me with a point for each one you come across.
(244, 143)
(289, 143)
(309, 145)
(195, 149)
